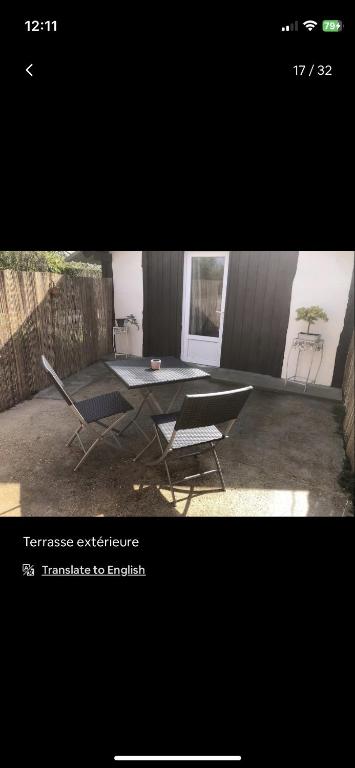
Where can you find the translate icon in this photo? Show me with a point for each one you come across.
(27, 569)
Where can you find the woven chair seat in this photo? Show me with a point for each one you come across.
(185, 437)
(102, 406)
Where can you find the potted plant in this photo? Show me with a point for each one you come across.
(130, 319)
(310, 315)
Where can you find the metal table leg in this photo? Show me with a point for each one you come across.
(152, 401)
(148, 398)
(154, 407)
(176, 395)
(135, 417)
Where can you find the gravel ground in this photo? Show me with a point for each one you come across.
(282, 459)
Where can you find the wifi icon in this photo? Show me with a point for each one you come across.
(310, 24)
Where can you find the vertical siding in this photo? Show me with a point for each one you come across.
(345, 338)
(162, 302)
(348, 393)
(257, 310)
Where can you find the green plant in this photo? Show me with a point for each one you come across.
(31, 261)
(47, 261)
(81, 269)
(131, 319)
(311, 314)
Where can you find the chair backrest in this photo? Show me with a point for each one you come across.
(212, 408)
(56, 380)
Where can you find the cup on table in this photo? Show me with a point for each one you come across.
(155, 364)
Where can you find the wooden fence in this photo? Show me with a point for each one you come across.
(348, 392)
(69, 320)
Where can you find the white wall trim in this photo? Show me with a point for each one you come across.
(128, 294)
(184, 323)
(186, 338)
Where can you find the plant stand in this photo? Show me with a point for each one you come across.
(118, 334)
(300, 345)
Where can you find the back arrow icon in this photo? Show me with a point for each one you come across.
(28, 70)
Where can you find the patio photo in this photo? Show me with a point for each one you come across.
(176, 383)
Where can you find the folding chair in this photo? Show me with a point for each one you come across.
(194, 426)
(91, 411)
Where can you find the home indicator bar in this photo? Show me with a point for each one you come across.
(229, 758)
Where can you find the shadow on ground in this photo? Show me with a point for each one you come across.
(282, 459)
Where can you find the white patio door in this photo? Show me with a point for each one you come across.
(204, 297)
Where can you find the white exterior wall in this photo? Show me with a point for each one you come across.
(128, 294)
(322, 278)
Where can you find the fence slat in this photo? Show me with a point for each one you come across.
(72, 328)
(348, 393)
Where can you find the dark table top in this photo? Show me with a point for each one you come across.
(136, 372)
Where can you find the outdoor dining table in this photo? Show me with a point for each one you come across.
(137, 374)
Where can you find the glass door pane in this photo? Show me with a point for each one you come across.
(206, 295)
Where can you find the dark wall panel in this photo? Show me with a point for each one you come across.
(344, 341)
(162, 302)
(257, 310)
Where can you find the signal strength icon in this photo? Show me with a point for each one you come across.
(310, 24)
(290, 27)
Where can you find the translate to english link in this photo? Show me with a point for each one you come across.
(84, 570)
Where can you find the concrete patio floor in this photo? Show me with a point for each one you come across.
(282, 459)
